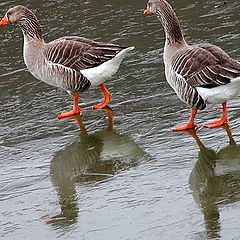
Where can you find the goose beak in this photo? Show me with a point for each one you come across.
(147, 12)
(4, 21)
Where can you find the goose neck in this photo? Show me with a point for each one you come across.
(30, 26)
(170, 24)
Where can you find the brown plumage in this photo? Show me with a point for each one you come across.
(199, 74)
(80, 53)
(205, 66)
(72, 63)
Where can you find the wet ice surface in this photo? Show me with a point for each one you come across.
(137, 179)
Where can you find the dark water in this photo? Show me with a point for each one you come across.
(121, 174)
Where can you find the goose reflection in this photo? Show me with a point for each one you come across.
(215, 180)
(94, 158)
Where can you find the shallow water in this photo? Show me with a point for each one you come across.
(121, 174)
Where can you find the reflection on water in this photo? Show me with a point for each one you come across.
(156, 194)
(94, 158)
(215, 180)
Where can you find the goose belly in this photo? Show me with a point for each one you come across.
(177, 83)
(221, 93)
(46, 76)
(37, 65)
(42, 70)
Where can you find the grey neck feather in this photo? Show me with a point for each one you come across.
(30, 25)
(170, 23)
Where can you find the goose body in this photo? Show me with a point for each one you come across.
(71, 63)
(199, 74)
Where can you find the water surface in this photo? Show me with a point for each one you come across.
(118, 174)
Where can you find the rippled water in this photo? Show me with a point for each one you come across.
(121, 174)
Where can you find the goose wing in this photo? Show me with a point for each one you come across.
(205, 66)
(80, 53)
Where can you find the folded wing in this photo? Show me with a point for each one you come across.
(80, 53)
(205, 66)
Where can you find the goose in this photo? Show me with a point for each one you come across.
(199, 74)
(71, 63)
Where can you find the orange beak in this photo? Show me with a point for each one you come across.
(4, 21)
(147, 11)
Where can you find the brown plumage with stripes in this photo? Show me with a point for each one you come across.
(72, 63)
(199, 74)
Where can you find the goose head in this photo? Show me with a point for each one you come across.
(25, 18)
(164, 12)
(14, 15)
(153, 6)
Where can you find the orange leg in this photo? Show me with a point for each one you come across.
(107, 96)
(76, 109)
(220, 122)
(190, 123)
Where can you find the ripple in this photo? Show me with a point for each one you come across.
(134, 182)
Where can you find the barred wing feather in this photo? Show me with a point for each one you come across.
(80, 53)
(205, 66)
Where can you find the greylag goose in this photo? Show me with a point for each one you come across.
(199, 74)
(72, 63)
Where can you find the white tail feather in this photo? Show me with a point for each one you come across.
(101, 73)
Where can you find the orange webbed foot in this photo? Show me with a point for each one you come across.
(107, 96)
(104, 103)
(69, 114)
(185, 127)
(100, 105)
(190, 123)
(220, 122)
(216, 123)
